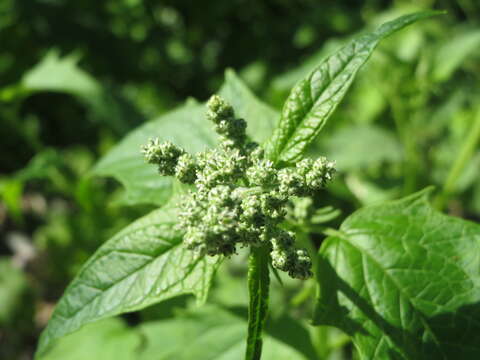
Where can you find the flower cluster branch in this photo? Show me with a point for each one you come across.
(241, 197)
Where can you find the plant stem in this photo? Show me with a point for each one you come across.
(462, 159)
(410, 163)
(258, 284)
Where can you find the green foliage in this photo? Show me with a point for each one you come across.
(397, 280)
(143, 264)
(313, 99)
(184, 127)
(108, 339)
(112, 339)
(402, 280)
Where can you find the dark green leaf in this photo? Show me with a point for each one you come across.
(142, 265)
(313, 99)
(403, 280)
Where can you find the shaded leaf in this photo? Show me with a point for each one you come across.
(211, 333)
(142, 265)
(403, 280)
(108, 339)
(361, 146)
(313, 99)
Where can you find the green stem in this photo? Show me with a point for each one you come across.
(410, 163)
(258, 284)
(463, 158)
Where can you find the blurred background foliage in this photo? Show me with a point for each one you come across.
(77, 76)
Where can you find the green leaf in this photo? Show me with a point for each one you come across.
(358, 147)
(403, 280)
(108, 339)
(261, 118)
(63, 75)
(313, 99)
(214, 333)
(452, 54)
(142, 265)
(185, 126)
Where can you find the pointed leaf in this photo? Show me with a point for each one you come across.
(142, 265)
(313, 99)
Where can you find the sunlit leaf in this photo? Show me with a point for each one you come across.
(142, 265)
(403, 280)
(314, 98)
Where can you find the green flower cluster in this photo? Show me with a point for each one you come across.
(241, 197)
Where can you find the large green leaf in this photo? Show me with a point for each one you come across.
(404, 281)
(187, 127)
(314, 98)
(142, 265)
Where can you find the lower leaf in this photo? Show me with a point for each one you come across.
(403, 280)
(142, 265)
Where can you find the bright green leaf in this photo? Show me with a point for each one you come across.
(404, 281)
(314, 98)
(142, 265)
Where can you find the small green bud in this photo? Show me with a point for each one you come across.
(165, 155)
(219, 110)
(262, 173)
(186, 169)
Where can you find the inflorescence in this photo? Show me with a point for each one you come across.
(241, 197)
